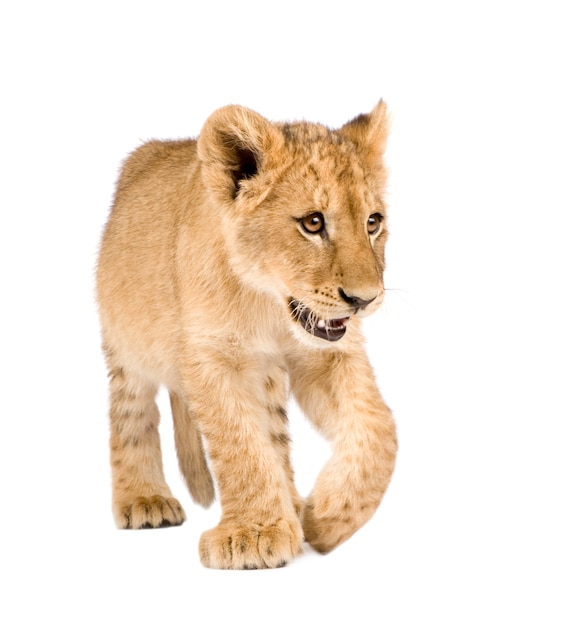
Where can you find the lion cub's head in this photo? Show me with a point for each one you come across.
(302, 211)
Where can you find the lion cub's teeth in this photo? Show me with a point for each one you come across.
(321, 324)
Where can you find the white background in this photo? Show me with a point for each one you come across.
(479, 349)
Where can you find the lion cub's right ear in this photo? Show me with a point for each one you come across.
(235, 144)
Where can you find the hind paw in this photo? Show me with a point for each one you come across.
(152, 512)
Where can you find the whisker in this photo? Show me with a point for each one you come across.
(398, 293)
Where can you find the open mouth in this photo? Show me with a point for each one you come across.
(331, 330)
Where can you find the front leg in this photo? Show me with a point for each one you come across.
(337, 391)
(259, 527)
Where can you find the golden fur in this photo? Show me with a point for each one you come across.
(234, 269)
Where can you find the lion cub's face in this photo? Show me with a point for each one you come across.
(303, 213)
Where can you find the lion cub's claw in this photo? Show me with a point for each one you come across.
(254, 546)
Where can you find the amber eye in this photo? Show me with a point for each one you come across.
(313, 223)
(374, 223)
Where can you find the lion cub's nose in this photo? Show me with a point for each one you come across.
(355, 301)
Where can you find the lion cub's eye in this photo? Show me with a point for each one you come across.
(374, 223)
(313, 223)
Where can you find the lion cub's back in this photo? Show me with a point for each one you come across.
(154, 163)
(135, 283)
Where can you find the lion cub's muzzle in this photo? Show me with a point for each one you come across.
(329, 329)
(354, 301)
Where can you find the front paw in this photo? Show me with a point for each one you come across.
(326, 526)
(251, 546)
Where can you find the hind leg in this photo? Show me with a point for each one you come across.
(141, 497)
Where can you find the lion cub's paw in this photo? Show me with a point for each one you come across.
(326, 531)
(254, 546)
(152, 512)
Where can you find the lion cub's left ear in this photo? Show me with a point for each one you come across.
(369, 132)
(235, 145)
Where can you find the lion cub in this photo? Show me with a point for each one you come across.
(233, 269)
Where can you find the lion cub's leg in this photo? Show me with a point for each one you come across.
(338, 393)
(141, 497)
(276, 396)
(259, 526)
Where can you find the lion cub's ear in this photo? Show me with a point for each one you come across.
(235, 144)
(369, 132)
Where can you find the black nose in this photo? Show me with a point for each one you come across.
(354, 301)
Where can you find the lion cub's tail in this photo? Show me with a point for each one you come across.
(191, 454)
